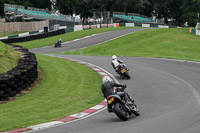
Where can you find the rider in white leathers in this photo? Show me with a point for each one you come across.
(115, 63)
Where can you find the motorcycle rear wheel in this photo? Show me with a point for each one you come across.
(126, 74)
(121, 112)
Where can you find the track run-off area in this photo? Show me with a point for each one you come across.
(166, 92)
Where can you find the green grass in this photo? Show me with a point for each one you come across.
(64, 91)
(161, 43)
(8, 58)
(67, 37)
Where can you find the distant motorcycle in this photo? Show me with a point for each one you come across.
(123, 71)
(57, 45)
(118, 105)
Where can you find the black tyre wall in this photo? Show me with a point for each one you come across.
(20, 77)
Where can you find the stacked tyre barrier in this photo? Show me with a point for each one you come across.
(20, 77)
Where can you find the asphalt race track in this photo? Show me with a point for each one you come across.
(165, 91)
(86, 42)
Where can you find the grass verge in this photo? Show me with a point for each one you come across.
(67, 37)
(58, 95)
(8, 58)
(161, 43)
(37, 82)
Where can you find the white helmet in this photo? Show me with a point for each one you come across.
(114, 57)
(106, 78)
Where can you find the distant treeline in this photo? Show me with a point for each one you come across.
(179, 11)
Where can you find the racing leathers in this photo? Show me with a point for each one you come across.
(115, 64)
(108, 89)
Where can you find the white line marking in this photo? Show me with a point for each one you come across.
(45, 125)
(97, 107)
(79, 115)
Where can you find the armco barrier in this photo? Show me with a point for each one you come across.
(93, 26)
(33, 37)
(163, 26)
(122, 24)
(194, 31)
(154, 25)
(130, 25)
(69, 29)
(20, 77)
(138, 24)
(14, 36)
(33, 32)
(146, 25)
(110, 25)
(86, 27)
(103, 25)
(78, 27)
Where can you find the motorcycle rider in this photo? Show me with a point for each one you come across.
(108, 89)
(59, 42)
(116, 63)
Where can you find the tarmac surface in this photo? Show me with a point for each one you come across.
(165, 91)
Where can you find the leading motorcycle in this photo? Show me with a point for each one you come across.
(123, 71)
(120, 107)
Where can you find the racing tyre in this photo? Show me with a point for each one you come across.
(18, 90)
(135, 110)
(12, 93)
(4, 97)
(121, 112)
(8, 91)
(3, 87)
(136, 113)
(126, 74)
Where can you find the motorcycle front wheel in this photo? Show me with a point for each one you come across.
(121, 112)
(135, 110)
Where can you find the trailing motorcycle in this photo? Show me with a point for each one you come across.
(123, 71)
(120, 107)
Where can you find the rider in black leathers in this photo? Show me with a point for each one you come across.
(108, 89)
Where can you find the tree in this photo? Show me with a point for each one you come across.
(43, 4)
(197, 8)
(85, 9)
(66, 7)
(177, 10)
(2, 2)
